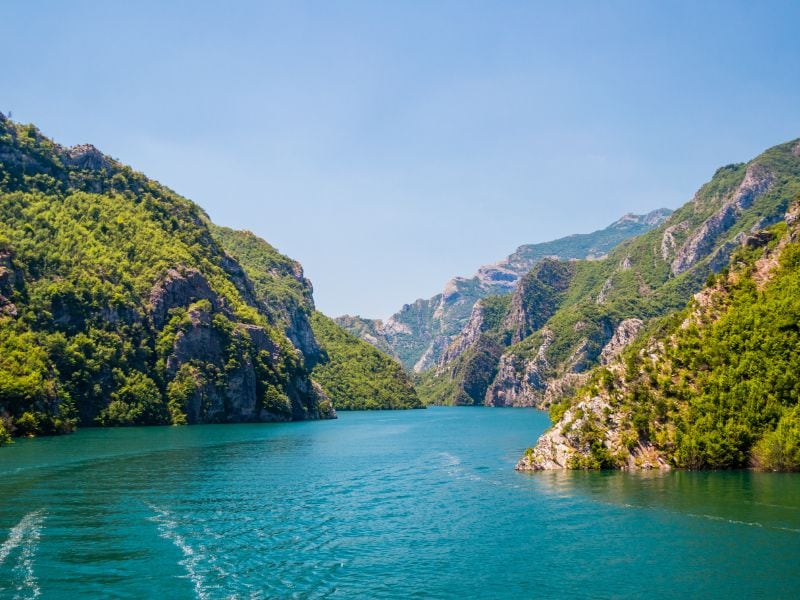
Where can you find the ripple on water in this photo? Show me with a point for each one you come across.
(404, 505)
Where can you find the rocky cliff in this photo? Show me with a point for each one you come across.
(552, 336)
(713, 385)
(420, 332)
(121, 303)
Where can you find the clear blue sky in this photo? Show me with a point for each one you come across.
(391, 145)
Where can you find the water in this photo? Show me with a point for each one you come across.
(418, 504)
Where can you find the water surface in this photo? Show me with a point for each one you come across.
(415, 504)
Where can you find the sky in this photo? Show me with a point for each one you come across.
(389, 146)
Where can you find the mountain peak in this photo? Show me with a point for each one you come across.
(86, 156)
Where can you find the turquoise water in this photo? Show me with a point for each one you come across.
(418, 504)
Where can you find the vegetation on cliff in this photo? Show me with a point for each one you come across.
(120, 304)
(554, 347)
(353, 373)
(713, 386)
(357, 376)
(420, 332)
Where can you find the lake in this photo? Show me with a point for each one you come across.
(409, 504)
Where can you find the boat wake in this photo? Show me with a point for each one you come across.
(22, 541)
(193, 558)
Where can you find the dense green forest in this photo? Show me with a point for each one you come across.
(119, 304)
(353, 373)
(556, 338)
(713, 386)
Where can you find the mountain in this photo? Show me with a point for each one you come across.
(419, 333)
(563, 321)
(121, 304)
(714, 386)
(354, 374)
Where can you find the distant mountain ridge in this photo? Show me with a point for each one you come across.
(713, 386)
(567, 317)
(419, 333)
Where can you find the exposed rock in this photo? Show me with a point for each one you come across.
(626, 332)
(558, 447)
(604, 291)
(427, 360)
(467, 337)
(180, 287)
(239, 278)
(234, 396)
(10, 278)
(757, 181)
(537, 297)
(566, 445)
(521, 382)
(86, 156)
(430, 325)
(668, 239)
(759, 239)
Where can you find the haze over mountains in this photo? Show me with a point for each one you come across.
(419, 332)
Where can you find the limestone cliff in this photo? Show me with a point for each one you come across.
(420, 332)
(713, 386)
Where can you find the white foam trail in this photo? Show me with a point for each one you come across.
(16, 536)
(168, 529)
(26, 533)
(25, 561)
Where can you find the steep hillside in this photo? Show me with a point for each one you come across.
(351, 372)
(716, 385)
(471, 362)
(120, 305)
(120, 308)
(608, 300)
(420, 332)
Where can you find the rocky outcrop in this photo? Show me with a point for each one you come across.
(571, 443)
(10, 278)
(430, 325)
(234, 396)
(468, 336)
(535, 382)
(521, 382)
(85, 156)
(669, 238)
(537, 297)
(180, 287)
(625, 333)
(604, 291)
(700, 244)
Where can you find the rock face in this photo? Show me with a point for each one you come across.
(700, 244)
(154, 322)
(521, 382)
(625, 334)
(639, 413)
(180, 287)
(566, 445)
(85, 156)
(236, 398)
(537, 297)
(9, 279)
(422, 331)
(468, 336)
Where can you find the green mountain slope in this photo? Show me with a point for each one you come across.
(119, 303)
(608, 300)
(420, 332)
(716, 385)
(353, 373)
